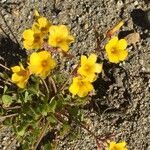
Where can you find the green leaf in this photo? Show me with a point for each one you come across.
(5, 89)
(48, 146)
(52, 118)
(52, 105)
(21, 132)
(7, 100)
(27, 97)
(65, 129)
(21, 129)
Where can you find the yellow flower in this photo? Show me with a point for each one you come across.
(60, 37)
(20, 76)
(41, 63)
(41, 25)
(32, 40)
(117, 146)
(80, 86)
(89, 67)
(116, 50)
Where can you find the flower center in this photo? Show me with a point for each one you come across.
(36, 38)
(22, 73)
(114, 148)
(59, 40)
(44, 63)
(81, 84)
(88, 68)
(114, 51)
(44, 29)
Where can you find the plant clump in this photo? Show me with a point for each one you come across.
(40, 99)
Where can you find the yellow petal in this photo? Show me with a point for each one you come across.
(21, 66)
(83, 60)
(84, 90)
(113, 42)
(16, 78)
(70, 39)
(123, 55)
(63, 29)
(74, 88)
(36, 13)
(34, 58)
(91, 77)
(113, 58)
(89, 86)
(112, 145)
(28, 45)
(35, 63)
(15, 68)
(92, 58)
(122, 44)
(42, 22)
(28, 35)
(44, 54)
(52, 29)
(52, 40)
(21, 84)
(64, 46)
(35, 27)
(98, 68)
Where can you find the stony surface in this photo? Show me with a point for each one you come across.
(122, 103)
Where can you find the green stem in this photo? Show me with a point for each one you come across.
(41, 135)
(46, 87)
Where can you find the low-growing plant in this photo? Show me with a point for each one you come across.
(47, 100)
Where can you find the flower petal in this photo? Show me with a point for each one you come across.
(123, 55)
(92, 58)
(122, 44)
(98, 68)
(28, 35)
(83, 60)
(64, 46)
(113, 42)
(113, 58)
(15, 69)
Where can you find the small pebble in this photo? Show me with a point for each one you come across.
(136, 3)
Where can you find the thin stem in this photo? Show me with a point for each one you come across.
(11, 108)
(41, 136)
(8, 116)
(4, 67)
(53, 84)
(45, 84)
(65, 83)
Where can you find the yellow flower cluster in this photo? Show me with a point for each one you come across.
(40, 63)
(34, 38)
(58, 36)
(117, 146)
(82, 84)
